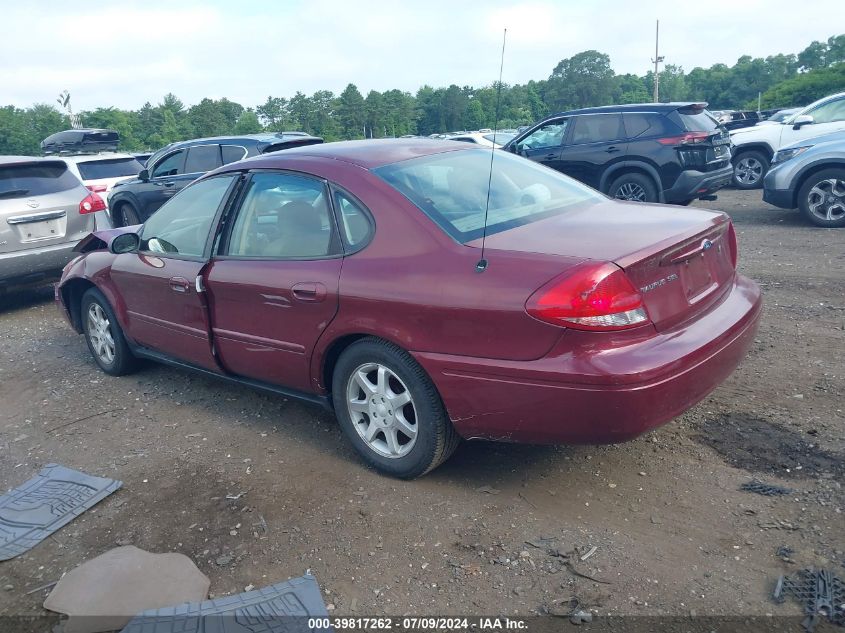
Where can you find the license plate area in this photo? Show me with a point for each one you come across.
(696, 277)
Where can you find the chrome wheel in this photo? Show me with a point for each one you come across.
(631, 191)
(826, 200)
(748, 171)
(382, 410)
(99, 333)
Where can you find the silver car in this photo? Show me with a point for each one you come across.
(44, 211)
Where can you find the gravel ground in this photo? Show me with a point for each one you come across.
(483, 534)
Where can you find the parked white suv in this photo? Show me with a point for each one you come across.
(100, 172)
(754, 147)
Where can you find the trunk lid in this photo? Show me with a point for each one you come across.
(39, 206)
(680, 259)
(704, 144)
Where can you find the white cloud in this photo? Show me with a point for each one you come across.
(123, 55)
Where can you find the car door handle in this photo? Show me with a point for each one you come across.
(179, 284)
(550, 156)
(309, 291)
(612, 149)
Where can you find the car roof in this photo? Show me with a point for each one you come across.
(90, 158)
(11, 160)
(632, 107)
(369, 154)
(262, 137)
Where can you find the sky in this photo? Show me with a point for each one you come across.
(125, 53)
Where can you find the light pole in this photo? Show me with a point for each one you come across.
(657, 59)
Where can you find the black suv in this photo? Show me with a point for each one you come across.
(173, 167)
(652, 152)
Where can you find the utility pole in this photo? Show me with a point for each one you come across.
(657, 59)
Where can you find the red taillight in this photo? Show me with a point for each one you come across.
(732, 244)
(92, 203)
(690, 138)
(593, 296)
(97, 188)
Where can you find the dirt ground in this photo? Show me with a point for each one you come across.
(672, 532)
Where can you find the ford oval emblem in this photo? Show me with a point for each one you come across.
(706, 245)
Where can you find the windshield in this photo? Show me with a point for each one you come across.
(452, 189)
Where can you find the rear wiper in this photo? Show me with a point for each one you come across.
(13, 192)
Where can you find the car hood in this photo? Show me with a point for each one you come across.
(818, 140)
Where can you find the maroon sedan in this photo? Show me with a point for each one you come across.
(351, 274)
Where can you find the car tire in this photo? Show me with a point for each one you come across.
(127, 215)
(633, 186)
(104, 337)
(390, 410)
(822, 198)
(750, 168)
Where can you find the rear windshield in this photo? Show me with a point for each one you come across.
(694, 120)
(452, 189)
(35, 179)
(111, 168)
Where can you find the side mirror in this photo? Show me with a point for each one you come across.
(144, 174)
(800, 121)
(125, 243)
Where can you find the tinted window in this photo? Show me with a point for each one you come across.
(232, 153)
(549, 135)
(282, 216)
(170, 166)
(694, 120)
(829, 112)
(24, 181)
(182, 224)
(597, 128)
(451, 188)
(463, 139)
(202, 158)
(113, 168)
(354, 221)
(500, 138)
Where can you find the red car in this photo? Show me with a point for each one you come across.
(358, 275)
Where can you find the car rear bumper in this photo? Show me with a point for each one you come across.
(35, 264)
(693, 184)
(599, 388)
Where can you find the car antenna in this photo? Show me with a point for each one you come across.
(481, 266)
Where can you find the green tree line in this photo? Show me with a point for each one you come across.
(583, 80)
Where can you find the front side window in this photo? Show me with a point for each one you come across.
(452, 189)
(181, 226)
(202, 158)
(171, 165)
(597, 128)
(829, 112)
(549, 135)
(282, 216)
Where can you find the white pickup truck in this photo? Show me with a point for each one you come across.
(753, 147)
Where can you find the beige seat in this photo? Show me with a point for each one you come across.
(301, 233)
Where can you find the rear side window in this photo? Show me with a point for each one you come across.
(232, 153)
(354, 221)
(113, 168)
(35, 179)
(202, 158)
(597, 128)
(694, 120)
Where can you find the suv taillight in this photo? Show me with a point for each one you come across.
(689, 138)
(91, 204)
(593, 296)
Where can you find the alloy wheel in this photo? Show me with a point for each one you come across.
(748, 171)
(99, 333)
(382, 410)
(826, 200)
(631, 191)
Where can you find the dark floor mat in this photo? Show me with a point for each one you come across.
(281, 608)
(53, 498)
